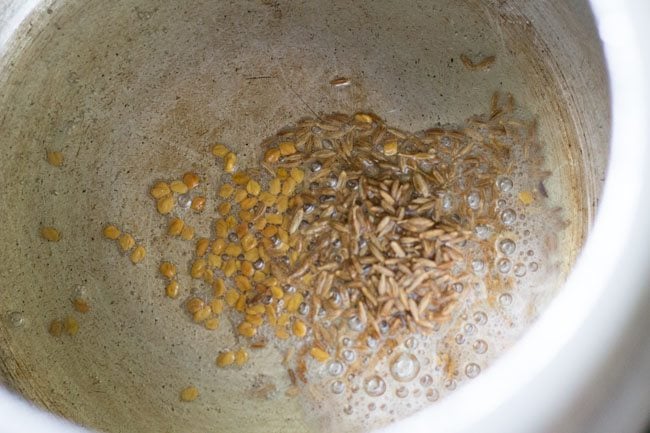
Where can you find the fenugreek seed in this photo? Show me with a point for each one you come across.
(70, 325)
(194, 304)
(168, 270)
(253, 187)
(299, 328)
(233, 250)
(229, 162)
(171, 290)
(275, 186)
(224, 359)
(191, 179)
(224, 208)
(111, 232)
(50, 234)
(252, 255)
(277, 292)
(259, 276)
(319, 354)
(231, 221)
(240, 178)
(293, 302)
(247, 269)
(282, 173)
(229, 268)
(198, 268)
(390, 148)
(202, 246)
(198, 203)
(289, 186)
(211, 324)
(218, 246)
(526, 197)
(54, 158)
(178, 187)
(241, 356)
(297, 174)
(272, 155)
(231, 297)
(80, 305)
(363, 118)
(219, 150)
(159, 190)
(282, 204)
(281, 333)
(189, 394)
(187, 233)
(202, 314)
(240, 195)
(56, 328)
(248, 203)
(246, 329)
(226, 190)
(126, 242)
(208, 276)
(175, 227)
(257, 310)
(248, 242)
(287, 148)
(137, 255)
(267, 198)
(219, 287)
(165, 204)
(216, 305)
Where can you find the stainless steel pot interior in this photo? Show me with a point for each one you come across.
(133, 90)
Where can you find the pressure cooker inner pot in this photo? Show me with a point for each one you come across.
(122, 122)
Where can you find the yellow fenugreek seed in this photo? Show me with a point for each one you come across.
(171, 290)
(224, 208)
(275, 186)
(168, 270)
(165, 204)
(257, 309)
(218, 246)
(231, 297)
(272, 155)
(282, 173)
(319, 354)
(175, 227)
(187, 233)
(54, 158)
(111, 232)
(240, 178)
(189, 394)
(289, 187)
(178, 187)
(283, 235)
(231, 221)
(214, 260)
(138, 254)
(271, 281)
(202, 246)
(267, 198)
(229, 268)
(126, 242)
(271, 316)
(211, 324)
(251, 256)
(247, 269)
(198, 203)
(221, 228)
(240, 195)
(277, 292)
(248, 203)
(287, 148)
(229, 162)
(218, 287)
(281, 333)
(260, 223)
(253, 187)
(297, 174)
(198, 268)
(293, 302)
(259, 276)
(299, 328)
(254, 319)
(194, 304)
(216, 305)
(248, 242)
(191, 179)
(202, 314)
(283, 320)
(282, 204)
(219, 150)
(241, 356)
(526, 197)
(56, 328)
(224, 359)
(226, 190)
(208, 276)
(246, 215)
(50, 234)
(233, 250)
(159, 190)
(246, 329)
(240, 305)
(70, 325)
(390, 148)
(243, 283)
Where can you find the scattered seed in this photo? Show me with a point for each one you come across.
(126, 242)
(137, 255)
(111, 232)
(191, 179)
(50, 234)
(54, 158)
(189, 394)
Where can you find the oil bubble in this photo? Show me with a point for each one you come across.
(507, 246)
(411, 343)
(508, 217)
(472, 370)
(337, 387)
(374, 386)
(426, 380)
(480, 318)
(504, 184)
(504, 265)
(432, 394)
(402, 392)
(519, 270)
(480, 346)
(335, 368)
(474, 200)
(533, 266)
(404, 367)
(459, 339)
(505, 299)
(16, 319)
